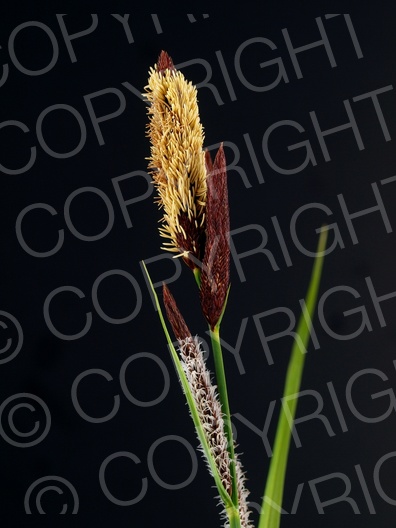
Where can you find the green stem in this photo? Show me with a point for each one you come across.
(273, 494)
(223, 396)
(197, 276)
(233, 517)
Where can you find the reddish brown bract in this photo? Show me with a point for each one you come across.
(165, 62)
(215, 275)
(178, 324)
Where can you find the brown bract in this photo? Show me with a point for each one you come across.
(175, 318)
(215, 274)
(165, 62)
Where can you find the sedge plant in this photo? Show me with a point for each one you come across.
(192, 193)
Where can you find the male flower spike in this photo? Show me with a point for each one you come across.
(177, 161)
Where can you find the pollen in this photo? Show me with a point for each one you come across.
(177, 159)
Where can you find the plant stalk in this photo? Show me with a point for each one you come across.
(197, 276)
(223, 396)
(233, 517)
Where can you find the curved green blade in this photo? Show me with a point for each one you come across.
(273, 494)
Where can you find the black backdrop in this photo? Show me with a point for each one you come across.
(93, 421)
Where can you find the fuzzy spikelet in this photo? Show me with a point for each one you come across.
(243, 494)
(215, 274)
(177, 160)
(203, 391)
(208, 405)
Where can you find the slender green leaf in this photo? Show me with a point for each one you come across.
(223, 396)
(221, 382)
(273, 494)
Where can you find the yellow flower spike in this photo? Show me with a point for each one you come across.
(177, 161)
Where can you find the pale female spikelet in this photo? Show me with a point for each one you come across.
(207, 403)
(203, 391)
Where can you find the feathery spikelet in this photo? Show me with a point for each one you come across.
(204, 392)
(177, 160)
(215, 275)
(208, 405)
(243, 494)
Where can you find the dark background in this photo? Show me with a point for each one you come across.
(47, 366)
